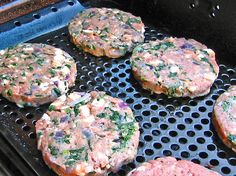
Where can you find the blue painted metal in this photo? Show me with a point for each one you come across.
(46, 23)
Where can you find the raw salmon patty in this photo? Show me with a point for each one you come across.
(87, 134)
(169, 166)
(106, 32)
(176, 67)
(224, 117)
(34, 74)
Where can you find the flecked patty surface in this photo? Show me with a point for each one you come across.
(175, 66)
(106, 32)
(224, 117)
(34, 74)
(169, 166)
(87, 134)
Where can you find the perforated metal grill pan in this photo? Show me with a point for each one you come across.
(178, 127)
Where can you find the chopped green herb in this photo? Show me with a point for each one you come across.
(91, 14)
(76, 107)
(160, 67)
(70, 163)
(38, 95)
(173, 88)
(168, 44)
(142, 78)
(76, 110)
(133, 64)
(40, 61)
(55, 121)
(126, 130)
(5, 77)
(204, 59)
(91, 46)
(226, 105)
(102, 115)
(137, 59)
(68, 110)
(172, 74)
(53, 150)
(101, 96)
(51, 108)
(67, 65)
(106, 29)
(14, 64)
(33, 54)
(74, 156)
(163, 45)
(40, 133)
(66, 139)
(26, 58)
(12, 84)
(119, 17)
(138, 49)
(232, 138)
(157, 74)
(133, 20)
(205, 52)
(65, 152)
(23, 74)
(115, 115)
(156, 47)
(30, 68)
(7, 55)
(103, 37)
(52, 72)
(38, 81)
(9, 92)
(86, 156)
(57, 92)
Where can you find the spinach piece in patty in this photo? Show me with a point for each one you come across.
(52, 108)
(133, 20)
(53, 150)
(74, 155)
(162, 45)
(9, 92)
(126, 129)
(232, 138)
(226, 105)
(204, 59)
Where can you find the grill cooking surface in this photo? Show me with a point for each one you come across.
(179, 127)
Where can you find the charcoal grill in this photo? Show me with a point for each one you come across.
(179, 127)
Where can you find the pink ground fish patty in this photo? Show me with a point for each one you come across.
(176, 67)
(34, 74)
(224, 117)
(87, 134)
(169, 166)
(106, 32)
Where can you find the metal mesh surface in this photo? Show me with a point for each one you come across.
(178, 127)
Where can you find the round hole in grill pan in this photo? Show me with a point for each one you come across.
(179, 127)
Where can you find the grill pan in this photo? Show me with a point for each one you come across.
(178, 127)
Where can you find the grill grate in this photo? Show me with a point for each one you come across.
(179, 127)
